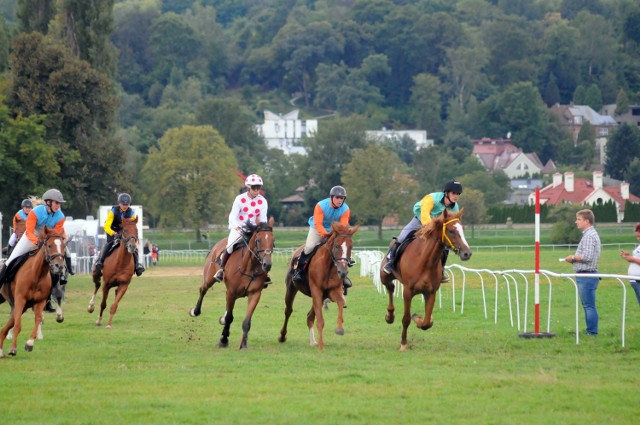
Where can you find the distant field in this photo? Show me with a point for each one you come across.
(368, 237)
(157, 365)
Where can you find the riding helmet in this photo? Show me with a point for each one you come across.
(452, 186)
(26, 203)
(53, 195)
(124, 198)
(253, 180)
(338, 191)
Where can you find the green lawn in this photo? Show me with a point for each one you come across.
(157, 365)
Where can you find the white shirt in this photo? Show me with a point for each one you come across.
(634, 268)
(246, 208)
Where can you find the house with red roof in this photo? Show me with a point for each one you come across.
(571, 190)
(502, 155)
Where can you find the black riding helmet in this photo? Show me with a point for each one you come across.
(338, 191)
(26, 203)
(124, 198)
(452, 186)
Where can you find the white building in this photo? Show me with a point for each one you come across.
(285, 132)
(418, 136)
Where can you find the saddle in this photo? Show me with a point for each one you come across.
(299, 274)
(9, 272)
(247, 232)
(403, 246)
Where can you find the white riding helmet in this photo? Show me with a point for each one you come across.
(253, 180)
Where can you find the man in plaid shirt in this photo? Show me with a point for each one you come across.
(585, 261)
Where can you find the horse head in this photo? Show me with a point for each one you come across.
(53, 249)
(452, 237)
(262, 243)
(130, 234)
(339, 245)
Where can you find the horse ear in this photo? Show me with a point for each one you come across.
(272, 221)
(460, 212)
(354, 229)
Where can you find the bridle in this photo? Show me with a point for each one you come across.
(445, 239)
(260, 254)
(334, 259)
(49, 257)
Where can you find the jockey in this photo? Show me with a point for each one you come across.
(429, 207)
(247, 207)
(333, 208)
(20, 222)
(113, 226)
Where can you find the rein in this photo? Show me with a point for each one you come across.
(49, 257)
(256, 254)
(333, 244)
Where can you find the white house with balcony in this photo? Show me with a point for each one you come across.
(285, 132)
(418, 136)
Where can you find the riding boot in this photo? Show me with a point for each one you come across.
(445, 255)
(267, 280)
(67, 261)
(103, 255)
(3, 271)
(299, 266)
(48, 307)
(346, 284)
(388, 267)
(139, 267)
(223, 262)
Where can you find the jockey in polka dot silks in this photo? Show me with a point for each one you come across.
(247, 207)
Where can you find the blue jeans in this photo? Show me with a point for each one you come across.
(636, 287)
(587, 290)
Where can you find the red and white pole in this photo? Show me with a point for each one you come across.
(537, 271)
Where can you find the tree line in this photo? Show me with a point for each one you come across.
(160, 98)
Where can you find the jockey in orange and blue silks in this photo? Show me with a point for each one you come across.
(248, 207)
(429, 207)
(48, 214)
(113, 226)
(20, 221)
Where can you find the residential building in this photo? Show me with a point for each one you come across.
(571, 190)
(285, 132)
(631, 116)
(502, 155)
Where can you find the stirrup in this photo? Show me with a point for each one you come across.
(445, 278)
(139, 270)
(387, 268)
(219, 275)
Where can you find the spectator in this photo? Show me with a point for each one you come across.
(634, 264)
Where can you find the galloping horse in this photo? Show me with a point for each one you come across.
(244, 276)
(31, 287)
(117, 271)
(419, 268)
(326, 271)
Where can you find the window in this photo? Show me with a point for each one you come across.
(603, 131)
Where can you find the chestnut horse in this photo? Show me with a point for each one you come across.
(244, 276)
(326, 271)
(117, 271)
(31, 287)
(419, 268)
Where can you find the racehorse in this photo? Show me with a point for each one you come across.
(31, 286)
(244, 276)
(419, 268)
(117, 270)
(326, 271)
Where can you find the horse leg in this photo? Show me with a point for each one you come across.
(18, 310)
(96, 284)
(3, 333)
(390, 316)
(406, 318)
(103, 303)
(427, 322)
(122, 289)
(252, 302)
(338, 296)
(316, 297)
(228, 319)
(288, 308)
(37, 310)
(311, 318)
(206, 284)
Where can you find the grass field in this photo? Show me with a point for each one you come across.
(158, 365)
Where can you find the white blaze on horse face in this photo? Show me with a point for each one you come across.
(344, 248)
(460, 230)
(58, 244)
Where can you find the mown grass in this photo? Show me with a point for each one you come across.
(158, 365)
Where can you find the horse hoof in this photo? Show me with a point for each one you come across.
(28, 347)
(192, 313)
(221, 320)
(403, 348)
(282, 339)
(389, 319)
(90, 309)
(339, 331)
(13, 352)
(223, 344)
(60, 319)
(108, 327)
(429, 326)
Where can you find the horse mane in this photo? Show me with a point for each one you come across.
(337, 227)
(431, 227)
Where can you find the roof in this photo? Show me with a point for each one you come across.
(569, 111)
(293, 199)
(582, 190)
